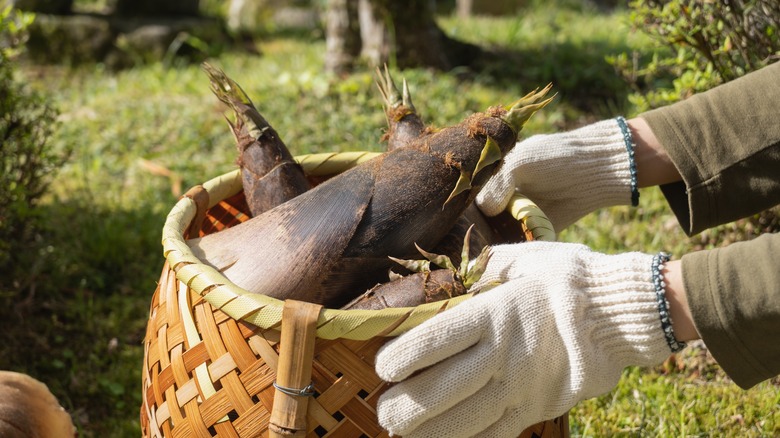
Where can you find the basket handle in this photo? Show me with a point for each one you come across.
(293, 375)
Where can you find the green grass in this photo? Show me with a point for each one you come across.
(656, 403)
(80, 321)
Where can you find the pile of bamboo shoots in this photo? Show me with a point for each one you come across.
(353, 240)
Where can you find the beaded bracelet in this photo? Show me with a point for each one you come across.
(663, 305)
(630, 145)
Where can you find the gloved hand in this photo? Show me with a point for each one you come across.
(568, 175)
(559, 329)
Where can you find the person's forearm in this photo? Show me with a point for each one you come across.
(653, 165)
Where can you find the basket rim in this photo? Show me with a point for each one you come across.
(266, 312)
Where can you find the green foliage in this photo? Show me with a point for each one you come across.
(560, 41)
(27, 162)
(13, 25)
(699, 44)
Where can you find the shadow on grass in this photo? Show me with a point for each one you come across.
(77, 318)
(580, 74)
(575, 64)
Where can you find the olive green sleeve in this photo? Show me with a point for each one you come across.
(726, 145)
(734, 295)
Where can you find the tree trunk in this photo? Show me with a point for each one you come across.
(406, 31)
(373, 33)
(465, 8)
(418, 40)
(342, 35)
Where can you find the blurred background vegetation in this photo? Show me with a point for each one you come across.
(96, 149)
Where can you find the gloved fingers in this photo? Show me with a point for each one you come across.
(494, 196)
(511, 263)
(486, 409)
(442, 336)
(515, 421)
(433, 392)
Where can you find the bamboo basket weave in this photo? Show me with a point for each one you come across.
(212, 350)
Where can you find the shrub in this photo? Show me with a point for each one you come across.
(700, 44)
(26, 162)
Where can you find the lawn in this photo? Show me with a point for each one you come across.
(142, 136)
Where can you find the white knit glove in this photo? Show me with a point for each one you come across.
(568, 175)
(559, 329)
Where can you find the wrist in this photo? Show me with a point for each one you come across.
(679, 310)
(654, 167)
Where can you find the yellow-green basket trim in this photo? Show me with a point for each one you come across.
(205, 277)
(221, 294)
(346, 325)
(424, 312)
(270, 316)
(523, 209)
(177, 251)
(179, 218)
(223, 186)
(331, 163)
(242, 306)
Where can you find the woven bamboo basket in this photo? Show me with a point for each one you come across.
(214, 352)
